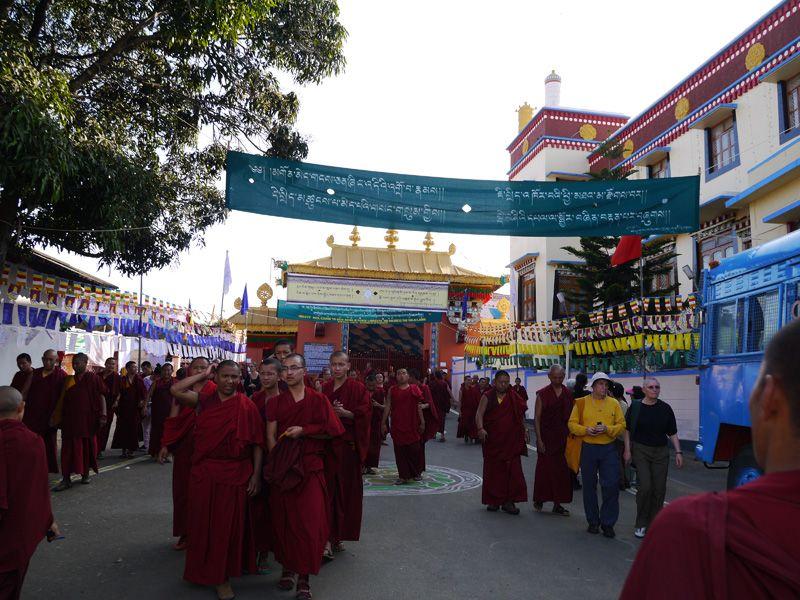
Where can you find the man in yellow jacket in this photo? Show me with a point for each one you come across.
(597, 420)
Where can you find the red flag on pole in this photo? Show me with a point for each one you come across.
(628, 249)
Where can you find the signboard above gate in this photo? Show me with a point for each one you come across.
(360, 315)
(311, 192)
(373, 293)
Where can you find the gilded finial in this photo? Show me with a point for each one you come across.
(391, 238)
(329, 241)
(237, 304)
(355, 237)
(452, 249)
(428, 242)
(264, 293)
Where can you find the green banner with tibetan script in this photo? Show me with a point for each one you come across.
(354, 314)
(296, 190)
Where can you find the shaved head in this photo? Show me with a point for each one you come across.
(556, 369)
(10, 402)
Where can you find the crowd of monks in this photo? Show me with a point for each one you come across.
(281, 472)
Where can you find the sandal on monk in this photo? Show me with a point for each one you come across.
(399, 481)
(369, 471)
(560, 510)
(510, 509)
(327, 555)
(226, 597)
(85, 480)
(492, 508)
(537, 506)
(303, 590)
(64, 485)
(338, 547)
(286, 582)
(181, 544)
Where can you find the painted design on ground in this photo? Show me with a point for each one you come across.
(436, 480)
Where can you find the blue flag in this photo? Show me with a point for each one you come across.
(464, 306)
(245, 303)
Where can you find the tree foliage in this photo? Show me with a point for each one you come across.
(116, 116)
(601, 285)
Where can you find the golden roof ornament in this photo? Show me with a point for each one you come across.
(428, 242)
(329, 241)
(237, 304)
(264, 293)
(452, 249)
(355, 237)
(391, 238)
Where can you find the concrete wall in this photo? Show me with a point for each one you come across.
(305, 333)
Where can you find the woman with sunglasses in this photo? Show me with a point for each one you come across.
(651, 424)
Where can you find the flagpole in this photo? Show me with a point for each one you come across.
(641, 299)
(141, 289)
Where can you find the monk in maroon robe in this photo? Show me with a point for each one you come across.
(113, 382)
(443, 397)
(501, 429)
(351, 403)
(269, 374)
(178, 439)
(25, 513)
(160, 401)
(404, 406)
(299, 508)
(430, 412)
(377, 398)
(468, 406)
(41, 396)
(82, 412)
(552, 481)
(740, 544)
(226, 470)
(21, 377)
(132, 398)
(520, 390)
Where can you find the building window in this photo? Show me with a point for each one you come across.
(527, 297)
(567, 283)
(716, 247)
(789, 108)
(722, 148)
(666, 282)
(659, 170)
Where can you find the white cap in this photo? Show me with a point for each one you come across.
(599, 376)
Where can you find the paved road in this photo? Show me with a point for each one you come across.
(424, 546)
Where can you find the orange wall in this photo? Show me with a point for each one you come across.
(305, 333)
(447, 344)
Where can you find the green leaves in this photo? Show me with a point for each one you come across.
(116, 116)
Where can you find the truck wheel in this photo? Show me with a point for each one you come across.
(743, 468)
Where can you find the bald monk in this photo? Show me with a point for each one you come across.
(302, 421)
(430, 412)
(41, 395)
(159, 397)
(269, 374)
(443, 397)
(352, 405)
(113, 382)
(501, 428)
(552, 482)
(404, 406)
(226, 470)
(468, 400)
(132, 398)
(25, 514)
(739, 544)
(21, 377)
(178, 439)
(80, 413)
(377, 397)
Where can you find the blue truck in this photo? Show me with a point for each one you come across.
(746, 299)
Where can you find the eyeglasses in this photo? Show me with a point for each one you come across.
(653, 387)
(293, 368)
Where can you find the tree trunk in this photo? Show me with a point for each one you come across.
(8, 214)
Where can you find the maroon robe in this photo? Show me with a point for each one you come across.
(552, 481)
(406, 438)
(349, 451)
(300, 517)
(129, 414)
(739, 544)
(20, 379)
(82, 405)
(220, 536)
(40, 402)
(113, 383)
(440, 390)
(375, 434)
(521, 392)
(178, 436)
(160, 405)
(25, 513)
(432, 420)
(503, 479)
(259, 504)
(470, 398)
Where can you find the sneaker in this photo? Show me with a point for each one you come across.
(608, 532)
(595, 529)
(639, 532)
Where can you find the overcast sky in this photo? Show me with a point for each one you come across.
(431, 88)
